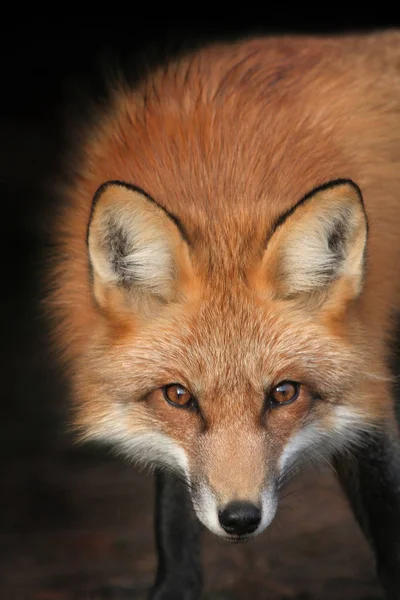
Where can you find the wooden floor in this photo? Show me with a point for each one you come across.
(79, 527)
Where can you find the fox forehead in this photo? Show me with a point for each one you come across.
(230, 124)
(232, 344)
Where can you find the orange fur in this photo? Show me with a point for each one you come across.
(227, 140)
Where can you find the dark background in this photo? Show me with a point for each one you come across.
(74, 522)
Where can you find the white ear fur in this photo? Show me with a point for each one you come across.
(133, 243)
(320, 241)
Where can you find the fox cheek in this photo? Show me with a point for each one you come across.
(145, 445)
(158, 449)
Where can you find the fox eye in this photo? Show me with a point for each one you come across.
(284, 393)
(179, 396)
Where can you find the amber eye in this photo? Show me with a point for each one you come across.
(284, 393)
(179, 396)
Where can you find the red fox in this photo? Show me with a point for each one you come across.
(227, 283)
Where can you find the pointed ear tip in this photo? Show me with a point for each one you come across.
(110, 193)
(104, 191)
(347, 194)
(355, 194)
(100, 194)
(108, 190)
(348, 190)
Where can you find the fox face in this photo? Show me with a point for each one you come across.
(229, 368)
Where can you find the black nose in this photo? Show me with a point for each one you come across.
(240, 518)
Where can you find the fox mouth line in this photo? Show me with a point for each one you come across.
(238, 539)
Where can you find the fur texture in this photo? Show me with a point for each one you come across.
(211, 272)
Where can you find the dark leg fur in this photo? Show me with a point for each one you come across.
(177, 539)
(372, 482)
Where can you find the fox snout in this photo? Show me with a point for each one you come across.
(236, 518)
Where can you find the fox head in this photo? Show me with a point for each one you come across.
(226, 368)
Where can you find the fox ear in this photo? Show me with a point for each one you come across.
(136, 249)
(320, 244)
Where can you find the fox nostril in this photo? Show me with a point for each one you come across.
(240, 518)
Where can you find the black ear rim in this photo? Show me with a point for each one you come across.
(320, 188)
(133, 188)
